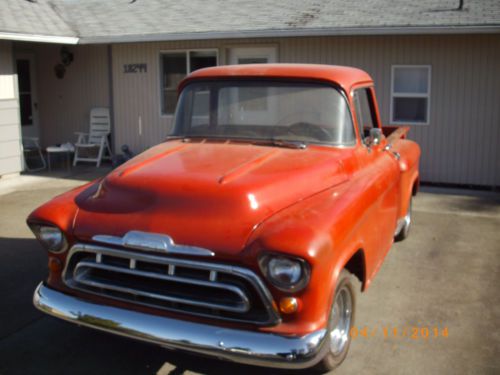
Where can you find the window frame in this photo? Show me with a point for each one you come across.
(372, 103)
(187, 53)
(427, 95)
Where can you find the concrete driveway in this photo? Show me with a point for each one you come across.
(442, 281)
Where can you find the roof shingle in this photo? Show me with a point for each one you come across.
(117, 20)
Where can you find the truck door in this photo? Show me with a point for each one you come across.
(380, 171)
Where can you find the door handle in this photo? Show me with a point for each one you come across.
(396, 154)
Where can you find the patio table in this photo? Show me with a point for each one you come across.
(59, 150)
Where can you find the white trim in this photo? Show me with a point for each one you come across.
(275, 33)
(40, 38)
(410, 95)
(345, 31)
(160, 69)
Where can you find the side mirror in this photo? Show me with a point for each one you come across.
(375, 137)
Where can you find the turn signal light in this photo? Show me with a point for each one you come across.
(55, 265)
(289, 305)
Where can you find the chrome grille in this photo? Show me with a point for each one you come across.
(188, 286)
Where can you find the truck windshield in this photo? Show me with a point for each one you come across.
(264, 110)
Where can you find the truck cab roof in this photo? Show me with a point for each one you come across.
(345, 77)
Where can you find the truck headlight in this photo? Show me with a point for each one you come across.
(50, 237)
(285, 273)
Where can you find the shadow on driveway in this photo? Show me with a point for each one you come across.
(31, 342)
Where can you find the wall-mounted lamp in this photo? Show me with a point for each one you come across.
(67, 58)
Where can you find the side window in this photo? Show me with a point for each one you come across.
(365, 111)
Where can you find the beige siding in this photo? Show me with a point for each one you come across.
(138, 118)
(10, 136)
(460, 145)
(64, 104)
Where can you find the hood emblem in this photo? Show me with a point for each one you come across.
(156, 242)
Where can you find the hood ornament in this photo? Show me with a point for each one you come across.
(156, 242)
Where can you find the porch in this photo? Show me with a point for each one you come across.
(57, 89)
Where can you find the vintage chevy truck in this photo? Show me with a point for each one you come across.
(243, 234)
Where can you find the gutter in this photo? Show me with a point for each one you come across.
(271, 33)
(283, 33)
(39, 38)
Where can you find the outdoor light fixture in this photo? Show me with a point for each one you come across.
(67, 58)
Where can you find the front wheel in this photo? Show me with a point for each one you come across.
(340, 322)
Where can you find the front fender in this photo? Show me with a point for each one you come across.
(325, 230)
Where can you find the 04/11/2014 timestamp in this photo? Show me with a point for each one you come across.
(387, 332)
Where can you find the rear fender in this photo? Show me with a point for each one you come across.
(409, 154)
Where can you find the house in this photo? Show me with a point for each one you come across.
(436, 66)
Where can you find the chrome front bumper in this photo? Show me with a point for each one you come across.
(253, 348)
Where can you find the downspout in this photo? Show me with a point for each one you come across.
(111, 98)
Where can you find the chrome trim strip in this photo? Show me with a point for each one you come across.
(248, 347)
(80, 276)
(160, 243)
(264, 294)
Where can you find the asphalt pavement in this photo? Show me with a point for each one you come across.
(433, 308)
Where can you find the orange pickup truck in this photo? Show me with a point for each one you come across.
(243, 234)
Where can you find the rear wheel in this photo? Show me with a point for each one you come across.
(340, 322)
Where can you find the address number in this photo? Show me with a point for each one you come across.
(135, 68)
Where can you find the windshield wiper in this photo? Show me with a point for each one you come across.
(271, 142)
(282, 143)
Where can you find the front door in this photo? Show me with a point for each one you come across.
(257, 103)
(251, 55)
(381, 175)
(28, 103)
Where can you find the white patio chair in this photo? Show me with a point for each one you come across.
(31, 145)
(96, 138)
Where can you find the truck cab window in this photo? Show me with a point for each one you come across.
(365, 111)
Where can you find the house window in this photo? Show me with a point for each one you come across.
(410, 94)
(175, 66)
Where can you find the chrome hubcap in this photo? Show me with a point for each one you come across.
(407, 218)
(340, 321)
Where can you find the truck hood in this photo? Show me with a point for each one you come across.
(206, 194)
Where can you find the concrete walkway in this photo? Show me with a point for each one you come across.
(434, 307)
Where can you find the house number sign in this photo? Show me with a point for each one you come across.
(135, 68)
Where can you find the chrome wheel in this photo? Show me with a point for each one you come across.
(407, 218)
(340, 321)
